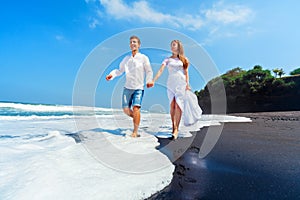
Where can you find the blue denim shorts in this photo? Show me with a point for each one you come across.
(132, 98)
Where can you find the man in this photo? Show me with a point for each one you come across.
(135, 67)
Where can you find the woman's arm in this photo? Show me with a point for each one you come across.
(160, 71)
(186, 73)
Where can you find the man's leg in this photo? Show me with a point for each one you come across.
(127, 101)
(136, 120)
(136, 102)
(128, 112)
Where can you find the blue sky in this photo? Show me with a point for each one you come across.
(44, 43)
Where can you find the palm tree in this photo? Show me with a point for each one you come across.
(280, 73)
(276, 71)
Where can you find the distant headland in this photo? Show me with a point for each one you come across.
(255, 90)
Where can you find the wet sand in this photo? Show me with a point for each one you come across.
(256, 160)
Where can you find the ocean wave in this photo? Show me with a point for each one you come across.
(35, 117)
(53, 108)
(52, 117)
(23, 111)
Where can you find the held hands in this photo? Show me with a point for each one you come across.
(108, 77)
(150, 84)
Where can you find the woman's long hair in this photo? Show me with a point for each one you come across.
(181, 55)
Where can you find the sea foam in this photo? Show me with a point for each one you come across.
(41, 159)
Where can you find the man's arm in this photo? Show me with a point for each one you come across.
(148, 70)
(116, 72)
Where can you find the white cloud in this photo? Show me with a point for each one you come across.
(142, 11)
(116, 8)
(93, 23)
(220, 14)
(228, 14)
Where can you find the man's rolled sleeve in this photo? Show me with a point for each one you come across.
(148, 70)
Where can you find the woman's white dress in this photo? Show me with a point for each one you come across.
(176, 88)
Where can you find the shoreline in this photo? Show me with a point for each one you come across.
(251, 160)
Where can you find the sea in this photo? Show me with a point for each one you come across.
(76, 152)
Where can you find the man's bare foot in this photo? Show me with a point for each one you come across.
(135, 135)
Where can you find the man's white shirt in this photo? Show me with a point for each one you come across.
(135, 69)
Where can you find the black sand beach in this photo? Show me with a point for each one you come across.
(255, 160)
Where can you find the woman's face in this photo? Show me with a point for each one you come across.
(174, 47)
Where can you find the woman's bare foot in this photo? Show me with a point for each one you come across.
(175, 134)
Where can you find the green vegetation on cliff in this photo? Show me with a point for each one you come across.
(254, 90)
(295, 72)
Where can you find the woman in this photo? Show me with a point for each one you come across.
(178, 82)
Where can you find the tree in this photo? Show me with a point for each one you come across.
(235, 71)
(252, 90)
(256, 81)
(295, 72)
(280, 73)
(276, 71)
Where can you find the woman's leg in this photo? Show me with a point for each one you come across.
(177, 118)
(172, 112)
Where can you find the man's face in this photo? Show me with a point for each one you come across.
(134, 44)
